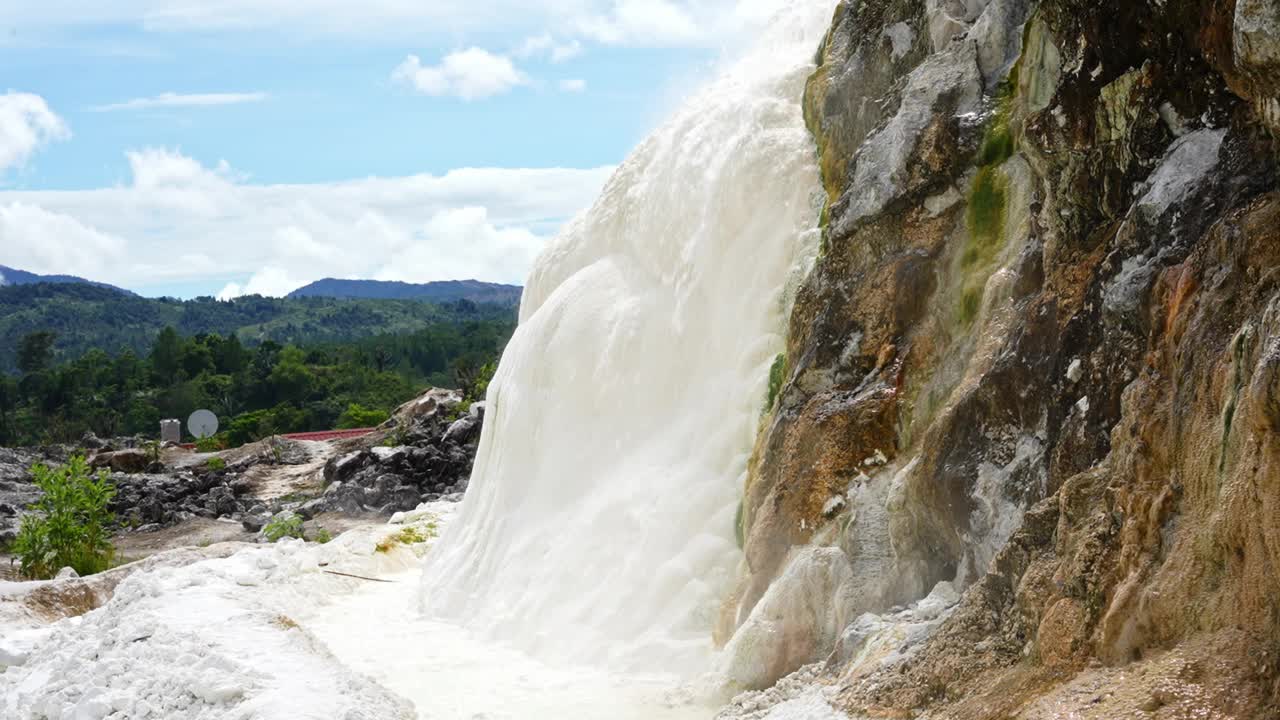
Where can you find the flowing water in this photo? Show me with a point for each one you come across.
(598, 530)
(599, 524)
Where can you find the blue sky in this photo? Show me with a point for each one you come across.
(192, 147)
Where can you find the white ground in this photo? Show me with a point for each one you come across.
(449, 674)
(268, 633)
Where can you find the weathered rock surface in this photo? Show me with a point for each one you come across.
(434, 447)
(1036, 359)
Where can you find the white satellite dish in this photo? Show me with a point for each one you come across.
(202, 424)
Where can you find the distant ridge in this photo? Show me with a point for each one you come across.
(444, 291)
(14, 276)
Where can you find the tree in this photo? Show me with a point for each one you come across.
(166, 355)
(197, 359)
(8, 404)
(229, 355)
(290, 379)
(35, 352)
(359, 416)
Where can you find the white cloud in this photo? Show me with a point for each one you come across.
(26, 124)
(41, 241)
(177, 100)
(180, 222)
(645, 22)
(471, 74)
(473, 240)
(545, 45)
(573, 85)
(615, 22)
(271, 282)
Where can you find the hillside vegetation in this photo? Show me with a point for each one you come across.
(78, 358)
(87, 317)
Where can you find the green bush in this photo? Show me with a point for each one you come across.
(476, 390)
(359, 416)
(69, 527)
(290, 526)
(211, 444)
(215, 464)
(322, 536)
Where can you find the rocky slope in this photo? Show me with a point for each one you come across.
(422, 454)
(1038, 363)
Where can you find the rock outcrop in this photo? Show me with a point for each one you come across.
(423, 453)
(1037, 359)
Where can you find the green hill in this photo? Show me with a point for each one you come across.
(86, 317)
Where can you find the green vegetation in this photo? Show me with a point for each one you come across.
(359, 416)
(85, 318)
(475, 380)
(777, 374)
(259, 388)
(322, 536)
(408, 536)
(290, 526)
(211, 444)
(69, 525)
(988, 201)
(215, 464)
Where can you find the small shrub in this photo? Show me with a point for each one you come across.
(459, 411)
(479, 387)
(359, 416)
(211, 444)
(322, 536)
(397, 437)
(290, 526)
(215, 464)
(407, 536)
(69, 527)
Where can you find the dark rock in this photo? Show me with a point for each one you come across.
(91, 442)
(222, 501)
(254, 523)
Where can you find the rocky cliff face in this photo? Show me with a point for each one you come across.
(1037, 362)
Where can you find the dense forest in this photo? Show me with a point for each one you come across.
(87, 317)
(64, 384)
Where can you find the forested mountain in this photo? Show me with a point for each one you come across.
(14, 276)
(85, 317)
(257, 389)
(446, 291)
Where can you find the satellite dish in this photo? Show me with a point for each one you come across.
(202, 424)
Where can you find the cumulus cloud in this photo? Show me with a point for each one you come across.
(37, 239)
(176, 100)
(271, 282)
(26, 124)
(546, 46)
(573, 85)
(471, 74)
(179, 221)
(645, 22)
